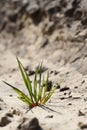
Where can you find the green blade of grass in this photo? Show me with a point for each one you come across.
(46, 83)
(41, 90)
(26, 79)
(20, 93)
(50, 93)
(35, 85)
(40, 93)
(24, 100)
(40, 74)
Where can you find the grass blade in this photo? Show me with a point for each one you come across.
(49, 109)
(24, 100)
(26, 79)
(35, 85)
(40, 93)
(50, 93)
(41, 90)
(46, 83)
(40, 74)
(20, 93)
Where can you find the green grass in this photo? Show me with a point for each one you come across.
(37, 91)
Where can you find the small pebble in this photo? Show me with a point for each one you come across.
(83, 82)
(49, 116)
(82, 125)
(70, 104)
(76, 87)
(64, 89)
(80, 113)
(9, 114)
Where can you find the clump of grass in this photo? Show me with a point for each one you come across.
(37, 92)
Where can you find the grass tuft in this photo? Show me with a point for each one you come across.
(37, 92)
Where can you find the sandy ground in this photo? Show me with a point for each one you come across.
(70, 103)
(58, 37)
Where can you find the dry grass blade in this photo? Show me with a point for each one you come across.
(49, 109)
